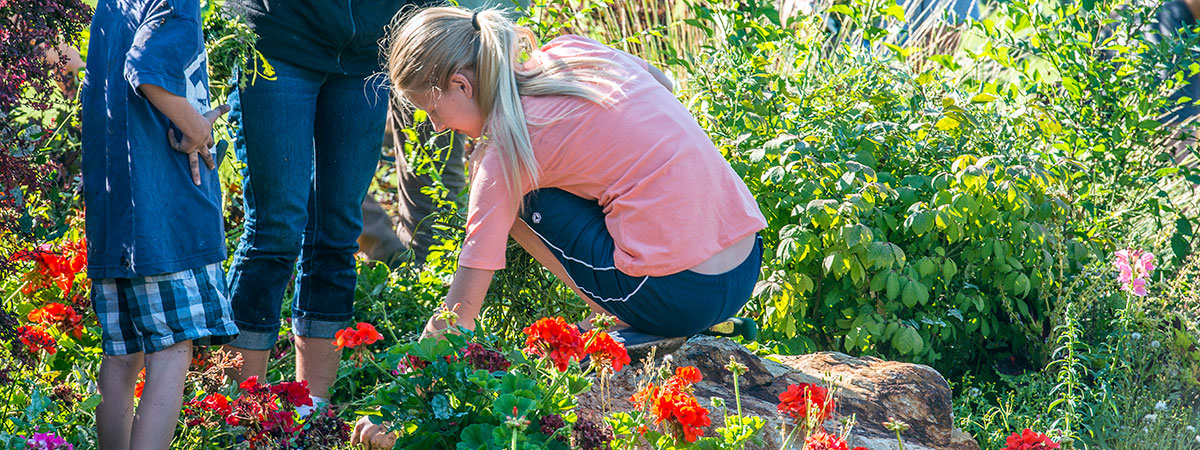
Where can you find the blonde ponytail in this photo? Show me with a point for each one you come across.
(435, 43)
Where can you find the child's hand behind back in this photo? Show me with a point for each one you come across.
(197, 139)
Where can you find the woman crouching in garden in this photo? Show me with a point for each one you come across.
(591, 164)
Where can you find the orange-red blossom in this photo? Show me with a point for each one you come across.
(674, 404)
(362, 334)
(560, 341)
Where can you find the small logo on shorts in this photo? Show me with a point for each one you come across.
(537, 217)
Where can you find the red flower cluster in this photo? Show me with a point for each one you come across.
(1029, 440)
(36, 339)
(821, 440)
(54, 268)
(293, 393)
(605, 350)
(560, 341)
(258, 410)
(268, 412)
(556, 339)
(804, 401)
(60, 315)
(215, 404)
(363, 334)
(674, 404)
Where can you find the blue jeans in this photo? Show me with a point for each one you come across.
(310, 142)
(680, 304)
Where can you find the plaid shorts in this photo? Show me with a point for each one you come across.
(152, 313)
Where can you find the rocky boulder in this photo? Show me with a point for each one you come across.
(871, 389)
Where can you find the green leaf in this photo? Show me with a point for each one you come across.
(926, 267)
(897, 254)
(908, 341)
(946, 124)
(1183, 226)
(440, 406)
(475, 437)
(911, 294)
(879, 255)
(893, 285)
(1021, 284)
(509, 405)
(949, 269)
(983, 97)
(1180, 246)
(843, 9)
(90, 403)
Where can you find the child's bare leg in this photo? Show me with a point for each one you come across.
(533, 244)
(254, 363)
(114, 416)
(317, 362)
(158, 411)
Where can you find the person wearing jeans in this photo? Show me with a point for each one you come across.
(310, 139)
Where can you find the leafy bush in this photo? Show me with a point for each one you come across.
(908, 217)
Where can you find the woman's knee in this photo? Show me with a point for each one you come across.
(273, 236)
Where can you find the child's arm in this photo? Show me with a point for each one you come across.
(196, 127)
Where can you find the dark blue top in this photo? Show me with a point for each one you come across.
(332, 36)
(144, 214)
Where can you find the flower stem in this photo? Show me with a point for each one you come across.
(789, 437)
(898, 440)
(737, 396)
(386, 372)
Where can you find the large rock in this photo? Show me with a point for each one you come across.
(871, 389)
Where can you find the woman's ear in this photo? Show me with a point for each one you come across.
(461, 83)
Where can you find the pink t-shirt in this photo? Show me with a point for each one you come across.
(670, 199)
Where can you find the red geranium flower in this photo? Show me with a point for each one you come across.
(605, 350)
(556, 339)
(59, 315)
(675, 405)
(363, 334)
(216, 403)
(804, 401)
(294, 393)
(690, 374)
(821, 440)
(1029, 440)
(36, 339)
(57, 268)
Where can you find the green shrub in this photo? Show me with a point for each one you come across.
(907, 217)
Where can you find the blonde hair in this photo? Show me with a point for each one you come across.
(435, 43)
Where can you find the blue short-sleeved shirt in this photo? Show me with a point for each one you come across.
(145, 216)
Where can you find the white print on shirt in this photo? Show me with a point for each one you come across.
(195, 77)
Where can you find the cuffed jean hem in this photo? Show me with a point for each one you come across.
(254, 340)
(320, 329)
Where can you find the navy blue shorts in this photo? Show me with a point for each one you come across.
(680, 304)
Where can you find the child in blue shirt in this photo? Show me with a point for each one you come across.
(154, 227)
